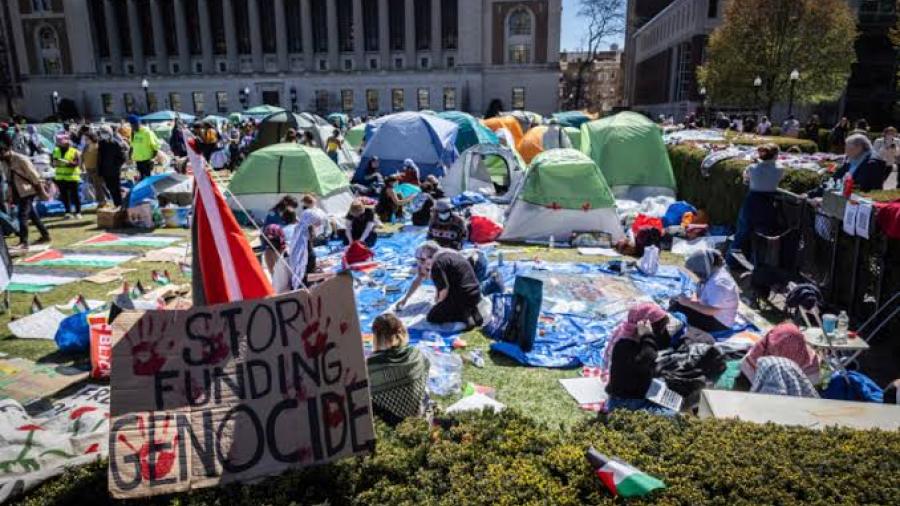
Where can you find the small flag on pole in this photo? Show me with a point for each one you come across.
(620, 478)
(36, 305)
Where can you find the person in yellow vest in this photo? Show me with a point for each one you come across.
(144, 145)
(67, 175)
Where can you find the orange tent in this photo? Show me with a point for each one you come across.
(508, 122)
(532, 143)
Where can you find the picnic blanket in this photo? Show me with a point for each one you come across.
(109, 240)
(75, 431)
(71, 258)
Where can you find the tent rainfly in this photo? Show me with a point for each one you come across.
(426, 139)
(471, 131)
(484, 168)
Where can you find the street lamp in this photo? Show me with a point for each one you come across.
(795, 76)
(702, 92)
(293, 99)
(245, 96)
(54, 102)
(757, 83)
(146, 85)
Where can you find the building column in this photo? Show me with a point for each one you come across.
(436, 35)
(231, 48)
(409, 32)
(184, 49)
(256, 48)
(112, 34)
(384, 34)
(281, 36)
(159, 41)
(306, 33)
(359, 36)
(137, 44)
(206, 41)
(331, 19)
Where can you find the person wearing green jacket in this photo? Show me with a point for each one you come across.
(67, 175)
(144, 145)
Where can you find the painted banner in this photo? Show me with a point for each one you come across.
(237, 391)
(35, 448)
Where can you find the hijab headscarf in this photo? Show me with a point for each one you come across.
(703, 263)
(786, 341)
(409, 164)
(628, 328)
(782, 376)
(310, 218)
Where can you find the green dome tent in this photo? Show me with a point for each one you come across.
(288, 169)
(563, 192)
(471, 132)
(630, 151)
(272, 128)
(574, 135)
(354, 136)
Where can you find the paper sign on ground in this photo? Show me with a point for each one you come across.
(40, 325)
(237, 391)
(33, 449)
(585, 390)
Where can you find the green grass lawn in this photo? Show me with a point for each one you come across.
(534, 391)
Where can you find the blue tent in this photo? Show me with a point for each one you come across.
(572, 119)
(150, 188)
(471, 131)
(160, 116)
(427, 140)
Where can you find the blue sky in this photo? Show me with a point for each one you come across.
(574, 29)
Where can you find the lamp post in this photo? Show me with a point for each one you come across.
(293, 92)
(245, 96)
(757, 83)
(795, 76)
(702, 92)
(54, 102)
(146, 86)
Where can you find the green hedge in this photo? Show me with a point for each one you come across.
(509, 459)
(722, 193)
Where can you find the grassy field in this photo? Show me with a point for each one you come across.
(535, 391)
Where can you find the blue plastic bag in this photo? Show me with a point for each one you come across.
(73, 334)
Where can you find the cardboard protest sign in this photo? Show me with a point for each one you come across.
(237, 391)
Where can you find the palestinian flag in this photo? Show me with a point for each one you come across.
(620, 478)
(107, 240)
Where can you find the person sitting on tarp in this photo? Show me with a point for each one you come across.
(359, 224)
(786, 341)
(757, 211)
(409, 173)
(390, 203)
(372, 182)
(631, 359)
(447, 227)
(715, 308)
(398, 372)
(782, 376)
(458, 289)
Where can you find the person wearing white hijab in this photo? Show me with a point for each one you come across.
(716, 305)
(302, 255)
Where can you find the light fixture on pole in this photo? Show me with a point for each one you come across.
(54, 102)
(795, 76)
(293, 91)
(146, 86)
(757, 83)
(245, 96)
(702, 92)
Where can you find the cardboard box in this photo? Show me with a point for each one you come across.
(111, 218)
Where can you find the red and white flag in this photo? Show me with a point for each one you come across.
(223, 262)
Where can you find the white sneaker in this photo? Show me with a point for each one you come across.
(78, 216)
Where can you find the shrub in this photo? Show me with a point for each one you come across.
(722, 193)
(510, 459)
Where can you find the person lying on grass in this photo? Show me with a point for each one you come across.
(398, 372)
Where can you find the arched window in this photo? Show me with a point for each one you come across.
(519, 36)
(48, 47)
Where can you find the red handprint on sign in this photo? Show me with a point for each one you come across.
(147, 342)
(165, 460)
(315, 335)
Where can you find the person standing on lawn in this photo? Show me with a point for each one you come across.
(90, 159)
(67, 175)
(758, 210)
(111, 155)
(24, 184)
(144, 145)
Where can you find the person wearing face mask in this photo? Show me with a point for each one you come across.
(458, 291)
(447, 227)
(67, 175)
(888, 149)
(111, 155)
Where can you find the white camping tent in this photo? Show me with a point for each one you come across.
(483, 168)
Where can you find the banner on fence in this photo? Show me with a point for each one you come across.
(237, 391)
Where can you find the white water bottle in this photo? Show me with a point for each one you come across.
(843, 326)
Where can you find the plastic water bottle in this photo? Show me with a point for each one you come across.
(843, 326)
(500, 259)
(552, 243)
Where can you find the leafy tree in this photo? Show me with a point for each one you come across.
(604, 19)
(771, 38)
